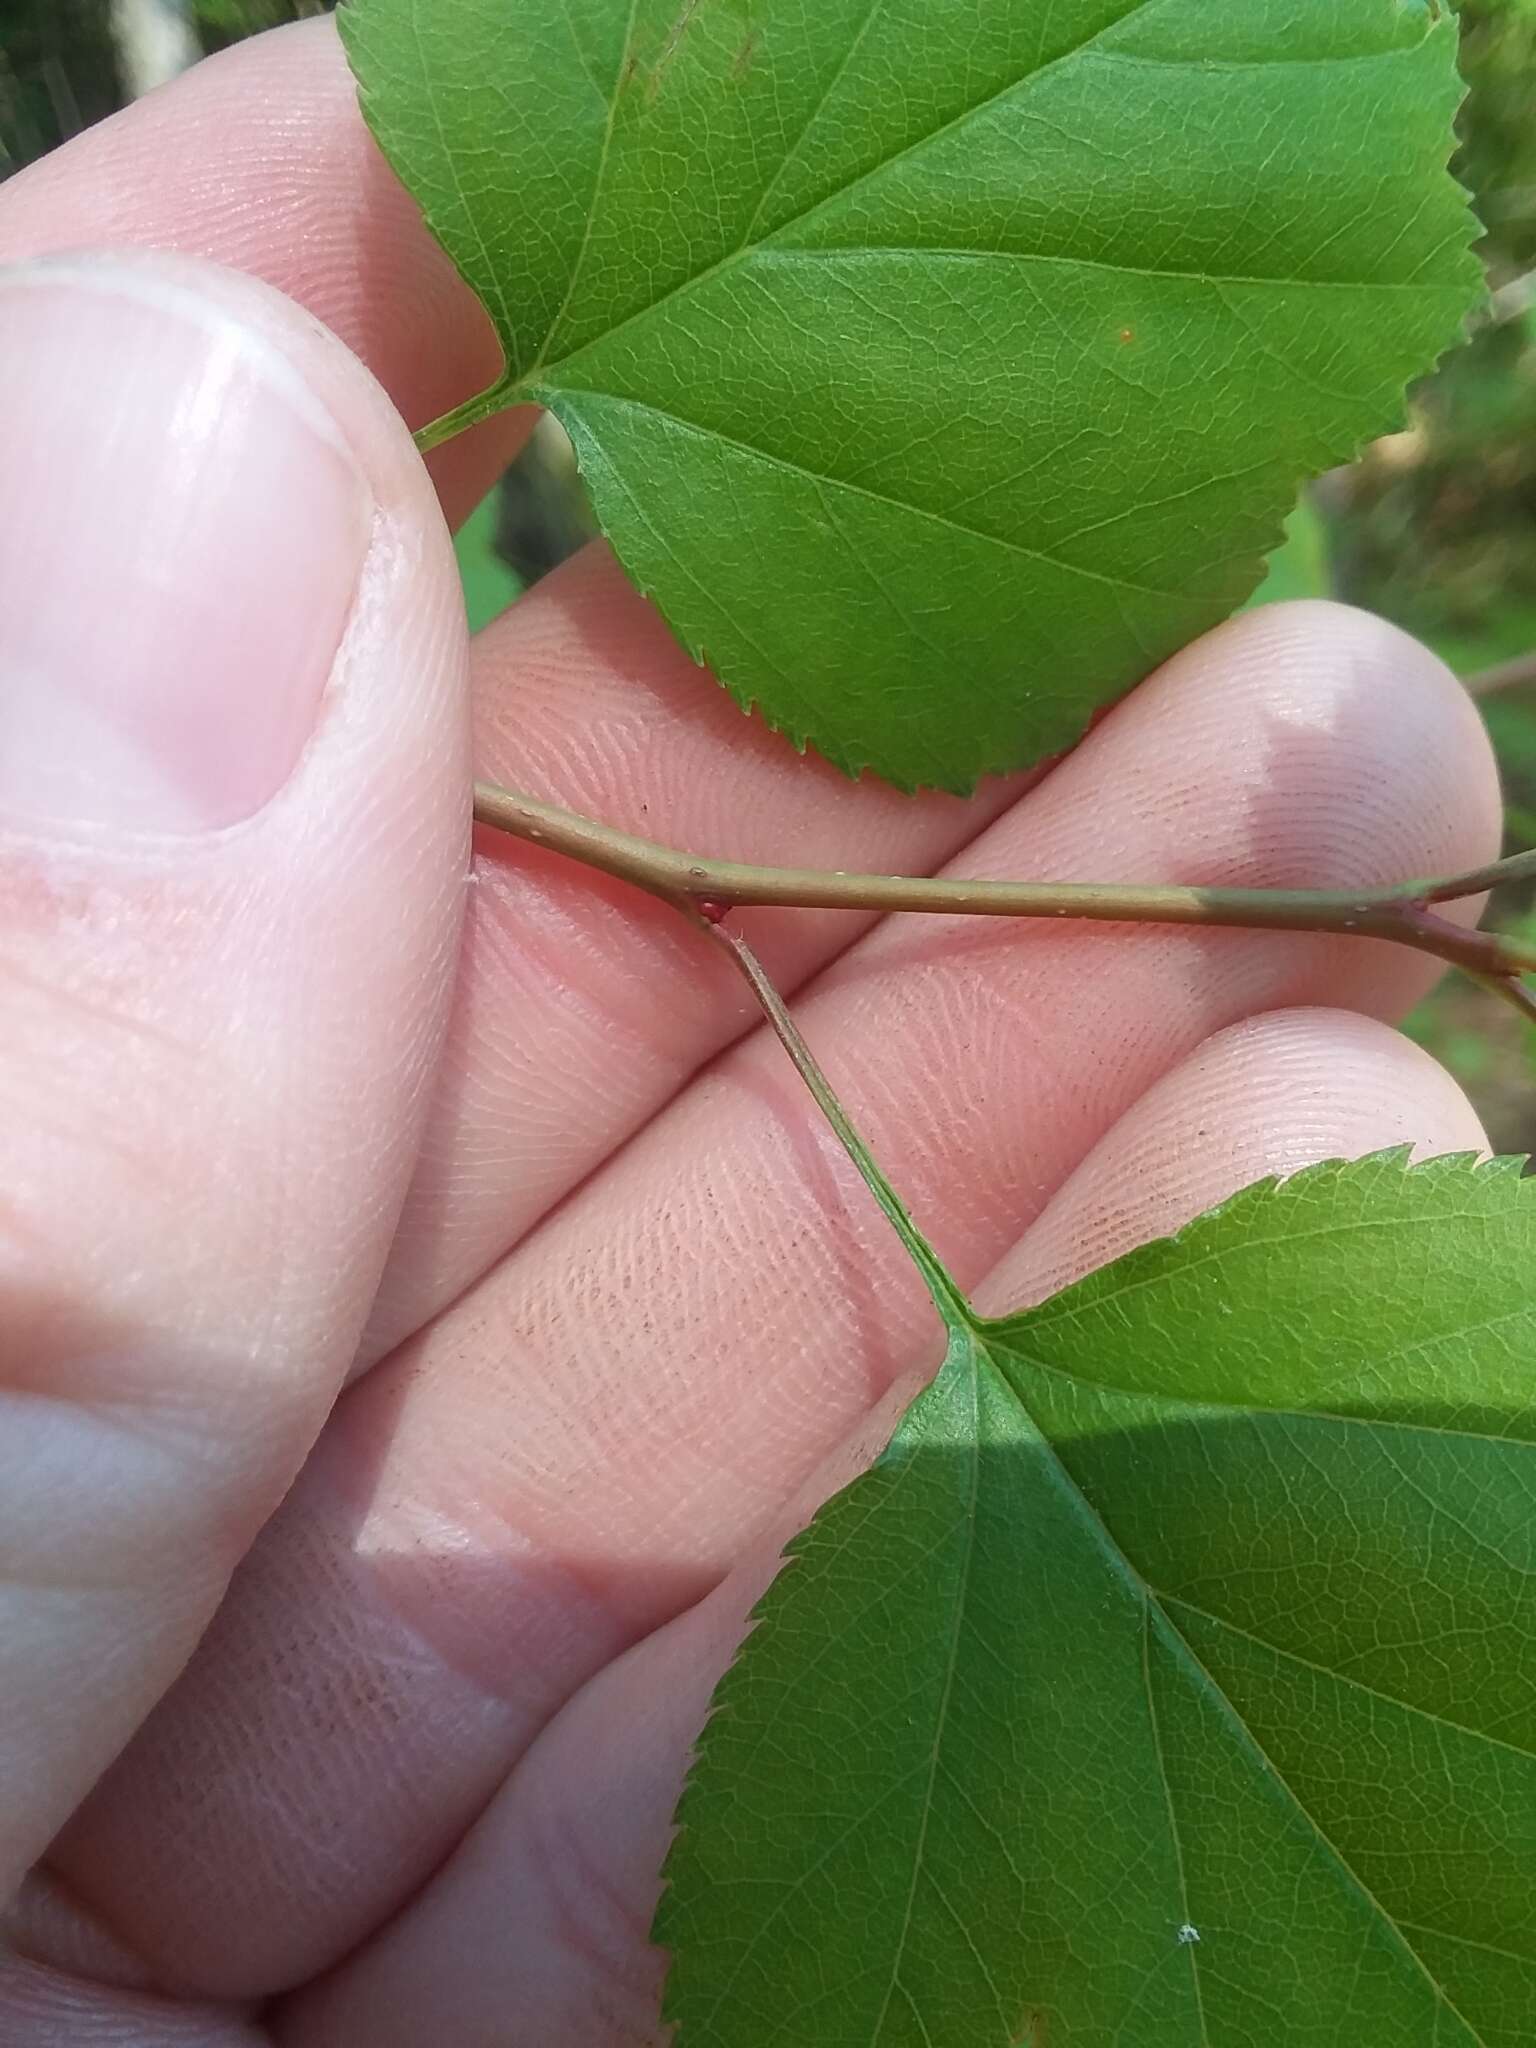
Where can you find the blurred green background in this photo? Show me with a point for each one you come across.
(1434, 527)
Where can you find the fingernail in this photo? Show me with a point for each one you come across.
(182, 528)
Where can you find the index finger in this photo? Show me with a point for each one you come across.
(258, 158)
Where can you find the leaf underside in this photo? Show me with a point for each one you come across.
(1171, 1680)
(939, 366)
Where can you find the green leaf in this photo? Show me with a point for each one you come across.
(1171, 1680)
(938, 366)
(489, 584)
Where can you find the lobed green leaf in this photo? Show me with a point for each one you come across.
(1171, 1680)
(939, 366)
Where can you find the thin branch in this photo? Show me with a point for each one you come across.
(1511, 989)
(776, 1010)
(483, 406)
(1508, 675)
(1399, 914)
(1518, 867)
(1512, 301)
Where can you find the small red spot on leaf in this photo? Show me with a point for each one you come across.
(1127, 335)
(712, 912)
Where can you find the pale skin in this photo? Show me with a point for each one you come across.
(391, 1760)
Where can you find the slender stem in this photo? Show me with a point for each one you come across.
(948, 1297)
(483, 406)
(1511, 301)
(1508, 675)
(1398, 913)
(1510, 989)
(1519, 867)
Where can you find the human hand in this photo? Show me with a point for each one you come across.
(624, 1314)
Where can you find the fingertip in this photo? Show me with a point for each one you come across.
(1338, 751)
(1268, 1096)
(1375, 752)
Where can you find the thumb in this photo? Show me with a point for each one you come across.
(233, 835)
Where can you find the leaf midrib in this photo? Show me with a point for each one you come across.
(611, 102)
(1343, 1678)
(794, 252)
(979, 1360)
(916, 511)
(1175, 1834)
(855, 44)
(545, 367)
(1249, 1410)
(451, 158)
(1146, 1596)
(1225, 1706)
(1069, 1308)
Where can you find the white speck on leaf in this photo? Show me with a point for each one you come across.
(1188, 1935)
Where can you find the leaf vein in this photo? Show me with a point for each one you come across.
(822, 103)
(777, 251)
(1126, 1570)
(1340, 1861)
(953, 1658)
(1490, 1948)
(908, 149)
(455, 170)
(1179, 1600)
(792, 1891)
(822, 477)
(1174, 1835)
(599, 175)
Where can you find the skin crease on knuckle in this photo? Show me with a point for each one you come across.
(535, 1517)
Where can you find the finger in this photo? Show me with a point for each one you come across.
(590, 1438)
(40, 2006)
(584, 1005)
(259, 159)
(577, 1835)
(232, 761)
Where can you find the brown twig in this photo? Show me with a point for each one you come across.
(1399, 914)
(1508, 675)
